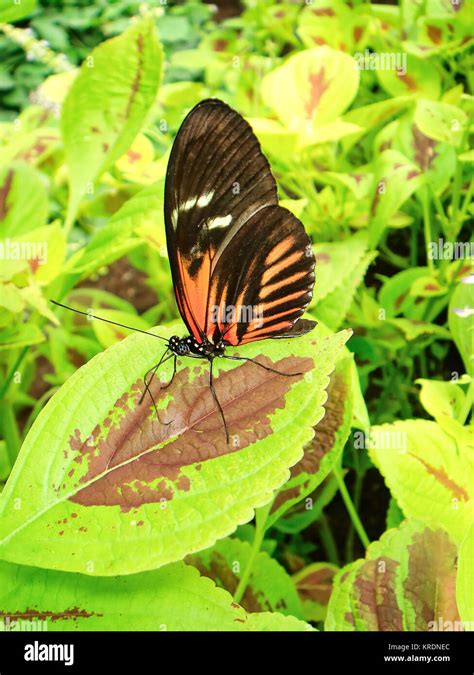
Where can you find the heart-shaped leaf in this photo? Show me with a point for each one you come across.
(406, 583)
(34, 599)
(311, 82)
(104, 487)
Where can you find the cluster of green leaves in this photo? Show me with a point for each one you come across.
(101, 502)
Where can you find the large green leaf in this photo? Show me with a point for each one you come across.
(335, 263)
(428, 471)
(440, 121)
(119, 236)
(465, 580)
(269, 588)
(395, 180)
(461, 321)
(151, 601)
(441, 398)
(418, 77)
(335, 23)
(12, 10)
(406, 583)
(311, 82)
(332, 310)
(102, 486)
(107, 104)
(23, 200)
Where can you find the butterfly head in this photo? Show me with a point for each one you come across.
(180, 346)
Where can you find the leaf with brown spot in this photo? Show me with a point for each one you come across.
(311, 81)
(429, 471)
(391, 189)
(35, 599)
(323, 451)
(114, 464)
(314, 586)
(23, 200)
(107, 104)
(406, 583)
(418, 76)
(270, 588)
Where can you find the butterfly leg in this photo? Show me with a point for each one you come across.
(216, 400)
(257, 363)
(173, 373)
(148, 382)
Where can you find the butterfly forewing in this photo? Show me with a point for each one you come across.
(217, 178)
(242, 266)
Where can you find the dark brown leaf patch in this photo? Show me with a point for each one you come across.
(323, 441)
(220, 572)
(458, 491)
(317, 86)
(316, 584)
(126, 465)
(33, 614)
(430, 586)
(377, 601)
(4, 192)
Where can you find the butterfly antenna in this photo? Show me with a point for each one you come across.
(257, 363)
(217, 402)
(93, 316)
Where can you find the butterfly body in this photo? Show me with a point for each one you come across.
(189, 346)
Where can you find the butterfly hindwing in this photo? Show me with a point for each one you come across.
(263, 281)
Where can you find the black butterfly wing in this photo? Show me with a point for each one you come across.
(217, 181)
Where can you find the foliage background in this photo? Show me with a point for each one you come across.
(376, 163)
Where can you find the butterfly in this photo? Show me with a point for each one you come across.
(242, 265)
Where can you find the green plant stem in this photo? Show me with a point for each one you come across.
(467, 405)
(457, 183)
(467, 201)
(439, 208)
(354, 516)
(9, 428)
(327, 539)
(359, 480)
(260, 522)
(427, 230)
(414, 244)
(11, 374)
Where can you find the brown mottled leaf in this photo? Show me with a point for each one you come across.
(112, 488)
(323, 450)
(406, 583)
(270, 588)
(314, 586)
